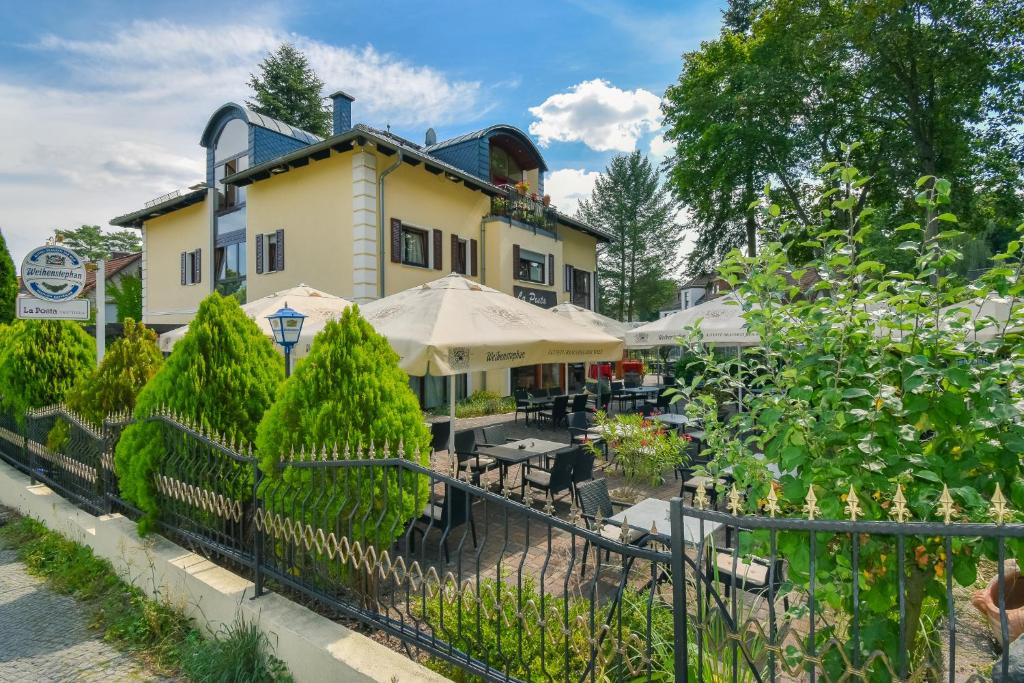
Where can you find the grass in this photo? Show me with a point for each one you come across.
(161, 635)
(478, 404)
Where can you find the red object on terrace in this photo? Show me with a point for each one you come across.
(601, 370)
(636, 366)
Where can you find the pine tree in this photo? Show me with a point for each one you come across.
(41, 361)
(289, 90)
(630, 202)
(222, 376)
(128, 365)
(350, 392)
(8, 284)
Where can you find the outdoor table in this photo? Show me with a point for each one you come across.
(673, 420)
(519, 453)
(654, 512)
(639, 392)
(538, 402)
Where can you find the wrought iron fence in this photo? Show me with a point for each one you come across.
(509, 589)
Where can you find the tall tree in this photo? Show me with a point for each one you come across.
(92, 244)
(630, 202)
(289, 90)
(932, 87)
(8, 284)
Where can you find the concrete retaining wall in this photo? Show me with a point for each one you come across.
(314, 648)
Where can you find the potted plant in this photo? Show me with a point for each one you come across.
(643, 451)
(522, 187)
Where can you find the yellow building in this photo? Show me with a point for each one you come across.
(363, 214)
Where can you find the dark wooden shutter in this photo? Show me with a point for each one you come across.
(551, 270)
(515, 261)
(472, 258)
(259, 253)
(197, 266)
(279, 265)
(438, 251)
(184, 261)
(590, 292)
(567, 274)
(396, 240)
(456, 266)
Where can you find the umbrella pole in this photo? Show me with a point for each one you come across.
(739, 357)
(451, 417)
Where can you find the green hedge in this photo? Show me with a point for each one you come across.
(40, 361)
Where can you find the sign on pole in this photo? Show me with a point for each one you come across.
(53, 273)
(55, 278)
(31, 308)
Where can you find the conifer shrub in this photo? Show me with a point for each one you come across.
(350, 391)
(129, 363)
(221, 376)
(41, 361)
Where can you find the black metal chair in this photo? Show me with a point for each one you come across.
(558, 411)
(494, 435)
(555, 480)
(439, 433)
(523, 406)
(583, 470)
(469, 459)
(449, 513)
(579, 403)
(597, 506)
(619, 395)
(748, 573)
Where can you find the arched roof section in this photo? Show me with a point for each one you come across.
(232, 110)
(520, 142)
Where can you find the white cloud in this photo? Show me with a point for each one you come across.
(598, 114)
(122, 124)
(567, 186)
(660, 147)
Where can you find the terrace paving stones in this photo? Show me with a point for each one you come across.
(45, 636)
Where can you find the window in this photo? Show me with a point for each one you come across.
(581, 288)
(229, 195)
(230, 262)
(504, 169)
(459, 255)
(415, 247)
(233, 140)
(191, 267)
(531, 266)
(270, 252)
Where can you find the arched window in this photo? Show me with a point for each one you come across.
(233, 140)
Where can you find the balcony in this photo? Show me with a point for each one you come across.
(525, 208)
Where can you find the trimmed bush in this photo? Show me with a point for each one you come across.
(8, 284)
(350, 390)
(222, 375)
(41, 361)
(127, 366)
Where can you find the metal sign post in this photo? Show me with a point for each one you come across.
(101, 310)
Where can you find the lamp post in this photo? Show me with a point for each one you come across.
(286, 324)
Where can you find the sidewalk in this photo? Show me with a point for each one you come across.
(44, 636)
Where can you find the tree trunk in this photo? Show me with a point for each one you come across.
(751, 221)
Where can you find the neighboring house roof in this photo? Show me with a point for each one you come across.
(261, 120)
(116, 264)
(159, 207)
(699, 281)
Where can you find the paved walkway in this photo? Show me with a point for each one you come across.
(44, 636)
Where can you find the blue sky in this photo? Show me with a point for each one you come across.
(102, 103)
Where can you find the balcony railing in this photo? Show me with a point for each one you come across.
(524, 208)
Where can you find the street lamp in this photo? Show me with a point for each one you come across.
(286, 324)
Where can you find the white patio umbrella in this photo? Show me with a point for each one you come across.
(992, 311)
(454, 325)
(721, 322)
(588, 318)
(317, 306)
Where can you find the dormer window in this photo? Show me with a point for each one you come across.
(505, 170)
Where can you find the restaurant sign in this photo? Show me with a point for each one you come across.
(53, 273)
(537, 297)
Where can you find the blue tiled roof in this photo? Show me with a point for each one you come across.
(487, 133)
(261, 120)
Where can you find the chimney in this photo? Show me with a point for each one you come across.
(342, 111)
(431, 137)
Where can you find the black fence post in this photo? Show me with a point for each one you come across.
(26, 453)
(679, 616)
(257, 520)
